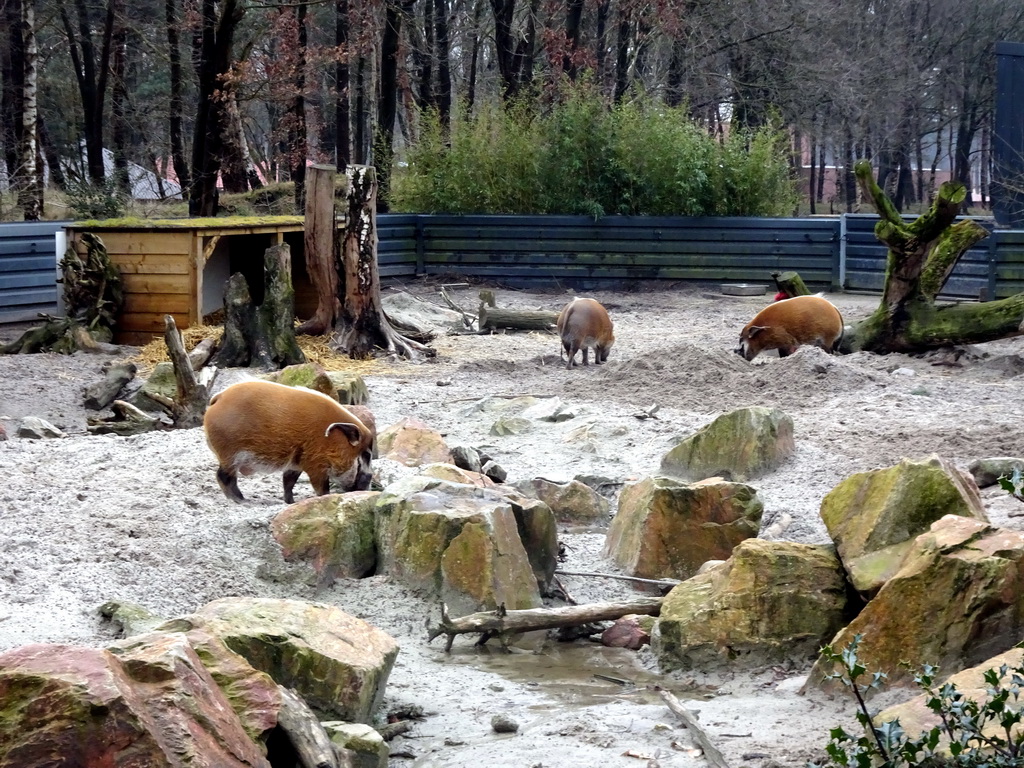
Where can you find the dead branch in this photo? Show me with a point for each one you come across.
(505, 623)
(700, 736)
(669, 583)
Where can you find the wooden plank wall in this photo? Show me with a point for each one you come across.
(28, 270)
(156, 273)
(623, 251)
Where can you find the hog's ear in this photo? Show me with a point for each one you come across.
(351, 432)
(756, 329)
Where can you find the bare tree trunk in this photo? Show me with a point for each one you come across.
(359, 149)
(177, 133)
(342, 111)
(12, 82)
(387, 111)
(922, 254)
(474, 56)
(298, 147)
(573, 20)
(622, 55)
(119, 109)
(362, 328)
(444, 69)
(321, 248)
(812, 181)
(30, 194)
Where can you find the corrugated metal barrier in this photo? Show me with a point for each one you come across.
(830, 253)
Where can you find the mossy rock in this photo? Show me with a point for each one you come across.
(772, 601)
(739, 445)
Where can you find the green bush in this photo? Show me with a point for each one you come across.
(103, 200)
(580, 157)
(978, 733)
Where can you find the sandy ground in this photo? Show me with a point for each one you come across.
(92, 518)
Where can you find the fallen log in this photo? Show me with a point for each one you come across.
(492, 319)
(101, 394)
(127, 420)
(700, 736)
(504, 623)
(312, 745)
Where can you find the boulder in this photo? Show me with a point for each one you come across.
(466, 458)
(34, 428)
(349, 388)
(253, 695)
(458, 542)
(308, 375)
(333, 532)
(539, 535)
(550, 409)
(873, 517)
(739, 445)
(494, 471)
(632, 631)
(957, 600)
(3, 433)
(987, 472)
(368, 747)
(571, 502)
(132, 619)
(161, 383)
(916, 717)
(772, 601)
(412, 443)
(667, 528)
(510, 425)
(338, 663)
(454, 474)
(150, 704)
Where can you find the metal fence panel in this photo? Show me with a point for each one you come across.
(619, 250)
(28, 270)
(397, 244)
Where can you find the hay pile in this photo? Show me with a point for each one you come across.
(315, 348)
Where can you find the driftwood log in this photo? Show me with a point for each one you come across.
(493, 318)
(700, 736)
(127, 420)
(101, 394)
(192, 397)
(790, 283)
(504, 623)
(312, 745)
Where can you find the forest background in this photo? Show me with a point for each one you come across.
(234, 97)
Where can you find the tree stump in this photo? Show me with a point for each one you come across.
(264, 336)
(790, 283)
(320, 246)
(192, 396)
(922, 254)
(362, 328)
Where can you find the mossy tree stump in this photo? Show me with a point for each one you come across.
(262, 336)
(922, 254)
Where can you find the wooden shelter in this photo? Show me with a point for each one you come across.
(179, 267)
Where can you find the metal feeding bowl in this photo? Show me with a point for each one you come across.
(743, 289)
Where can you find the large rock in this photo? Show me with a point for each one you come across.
(349, 388)
(339, 664)
(873, 517)
(150, 704)
(412, 443)
(771, 601)
(461, 543)
(309, 375)
(916, 717)
(987, 471)
(739, 445)
(333, 532)
(666, 528)
(161, 383)
(454, 474)
(957, 600)
(572, 502)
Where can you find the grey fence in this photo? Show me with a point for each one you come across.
(612, 252)
(28, 270)
(621, 251)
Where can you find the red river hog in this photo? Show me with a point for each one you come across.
(584, 323)
(260, 426)
(787, 324)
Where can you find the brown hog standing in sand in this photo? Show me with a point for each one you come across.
(260, 426)
(787, 324)
(584, 323)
